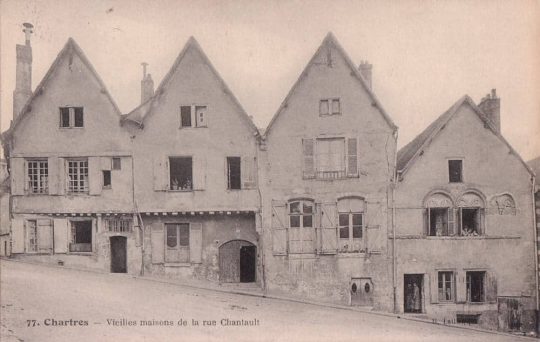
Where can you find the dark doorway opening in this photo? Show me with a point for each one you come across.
(413, 292)
(118, 254)
(248, 260)
(237, 262)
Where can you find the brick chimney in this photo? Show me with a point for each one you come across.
(23, 73)
(491, 106)
(147, 85)
(366, 71)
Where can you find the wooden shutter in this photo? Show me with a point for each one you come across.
(60, 235)
(328, 229)
(53, 177)
(434, 287)
(308, 152)
(481, 221)
(18, 176)
(352, 157)
(451, 222)
(199, 172)
(279, 228)
(161, 172)
(461, 287)
(157, 238)
(94, 176)
(195, 242)
(491, 287)
(425, 212)
(457, 224)
(106, 163)
(17, 235)
(375, 239)
(61, 176)
(248, 172)
(44, 235)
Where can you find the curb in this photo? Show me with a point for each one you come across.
(272, 297)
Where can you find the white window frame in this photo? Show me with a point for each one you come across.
(41, 172)
(194, 112)
(79, 186)
(330, 174)
(178, 247)
(441, 296)
(31, 232)
(302, 228)
(328, 103)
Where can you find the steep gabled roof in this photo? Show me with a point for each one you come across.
(71, 47)
(329, 42)
(408, 154)
(143, 111)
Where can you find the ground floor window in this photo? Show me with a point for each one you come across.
(446, 286)
(31, 236)
(476, 286)
(118, 224)
(177, 242)
(301, 231)
(81, 236)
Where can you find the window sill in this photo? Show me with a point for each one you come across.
(172, 190)
(177, 264)
(68, 128)
(81, 253)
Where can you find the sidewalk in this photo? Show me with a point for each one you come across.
(255, 291)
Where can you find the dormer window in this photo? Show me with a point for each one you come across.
(193, 116)
(71, 117)
(329, 107)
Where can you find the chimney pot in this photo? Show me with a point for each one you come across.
(366, 69)
(147, 85)
(491, 106)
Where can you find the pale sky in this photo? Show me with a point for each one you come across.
(425, 54)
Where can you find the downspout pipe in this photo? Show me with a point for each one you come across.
(394, 255)
(536, 241)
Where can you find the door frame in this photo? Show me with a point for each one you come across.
(422, 278)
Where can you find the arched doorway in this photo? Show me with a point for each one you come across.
(237, 262)
(118, 254)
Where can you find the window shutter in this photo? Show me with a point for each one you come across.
(458, 223)
(17, 235)
(195, 243)
(158, 243)
(308, 150)
(352, 157)
(18, 176)
(106, 163)
(61, 176)
(482, 221)
(375, 239)
(94, 175)
(451, 222)
(60, 235)
(425, 212)
(491, 287)
(328, 229)
(434, 287)
(248, 173)
(461, 287)
(161, 181)
(279, 228)
(44, 235)
(199, 172)
(52, 164)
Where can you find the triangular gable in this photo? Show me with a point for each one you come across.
(331, 41)
(70, 47)
(408, 154)
(145, 110)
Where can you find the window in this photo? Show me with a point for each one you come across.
(234, 179)
(330, 158)
(446, 286)
(350, 225)
(38, 176)
(193, 116)
(185, 116)
(350, 222)
(31, 235)
(106, 179)
(71, 117)
(455, 171)
(116, 163)
(439, 216)
(475, 286)
(181, 173)
(329, 107)
(118, 224)
(470, 221)
(78, 176)
(81, 236)
(438, 221)
(177, 242)
(301, 232)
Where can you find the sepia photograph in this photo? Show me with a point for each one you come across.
(281, 170)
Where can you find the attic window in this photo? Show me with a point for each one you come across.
(71, 117)
(329, 107)
(455, 171)
(193, 116)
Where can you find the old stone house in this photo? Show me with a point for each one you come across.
(463, 218)
(71, 167)
(195, 156)
(326, 173)
(5, 241)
